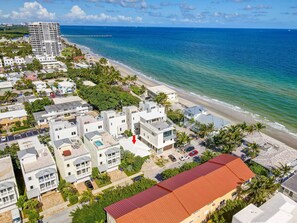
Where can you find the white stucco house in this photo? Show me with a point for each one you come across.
(38, 167)
(171, 94)
(8, 187)
(88, 123)
(115, 123)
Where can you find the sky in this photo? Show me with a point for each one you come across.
(168, 13)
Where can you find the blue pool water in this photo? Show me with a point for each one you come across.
(98, 143)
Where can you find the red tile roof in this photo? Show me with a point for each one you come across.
(175, 199)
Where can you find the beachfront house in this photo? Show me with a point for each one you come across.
(115, 123)
(156, 131)
(88, 123)
(279, 208)
(38, 167)
(9, 193)
(200, 115)
(171, 94)
(72, 157)
(104, 150)
(187, 197)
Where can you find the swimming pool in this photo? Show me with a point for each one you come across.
(98, 143)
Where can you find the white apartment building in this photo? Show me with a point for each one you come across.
(72, 157)
(38, 167)
(156, 131)
(114, 123)
(88, 123)
(66, 87)
(45, 38)
(8, 187)
(105, 151)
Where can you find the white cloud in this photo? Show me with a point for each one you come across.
(76, 13)
(31, 11)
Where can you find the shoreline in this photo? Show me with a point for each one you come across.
(187, 99)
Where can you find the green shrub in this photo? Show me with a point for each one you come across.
(73, 199)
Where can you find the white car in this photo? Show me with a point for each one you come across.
(183, 158)
(3, 138)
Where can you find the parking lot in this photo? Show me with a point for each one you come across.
(23, 135)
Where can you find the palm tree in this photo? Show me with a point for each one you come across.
(87, 196)
(182, 139)
(259, 127)
(207, 155)
(161, 98)
(261, 188)
(228, 148)
(253, 150)
(285, 170)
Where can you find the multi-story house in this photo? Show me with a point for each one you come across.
(62, 130)
(187, 197)
(8, 187)
(114, 123)
(289, 187)
(72, 157)
(171, 94)
(133, 114)
(88, 123)
(105, 151)
(19, 60)
(66, 87)
(156, 131)
(68, 110)
(38, 167)
(7, 61)
(45, 38)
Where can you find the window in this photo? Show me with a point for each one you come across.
(69, 173)
(29, 178)
(101, 163)
(31, 187)
(291, 194)
(68, 165)
(123, 121)
(100, 127)
(100, 155)
(86, 130)
(73, 133)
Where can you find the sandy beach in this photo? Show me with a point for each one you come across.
(188, 99)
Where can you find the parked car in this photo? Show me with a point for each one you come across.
(193, 153)
(3, 138)
(16, 216)
(137, 178)
(189, 149)
(185, 157)
(89, 184)
(172, 158)
(196, 159)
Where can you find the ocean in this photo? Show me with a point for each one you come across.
(254, 70)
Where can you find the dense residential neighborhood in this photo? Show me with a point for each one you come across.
(81, 142)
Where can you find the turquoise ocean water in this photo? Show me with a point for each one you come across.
(254, 69)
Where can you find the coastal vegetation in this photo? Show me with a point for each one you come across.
(12, 49)
(94, 212)
(101, 179)
(68, 192)
(14, 31)
(34, 66)
(130, 163)
(176, 116)
(31, 208)
(182, 139)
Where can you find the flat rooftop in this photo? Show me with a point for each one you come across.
(13, 114)
(76, 147)
(161, 89)
(161, 125)
(104, 137)
(5, 84)
(6, 168)
(291, 183)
